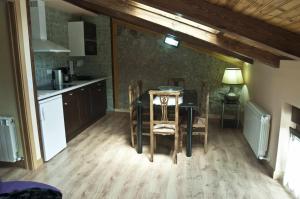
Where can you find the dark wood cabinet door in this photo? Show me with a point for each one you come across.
(98, 100)
(71, 114)
(84, 105)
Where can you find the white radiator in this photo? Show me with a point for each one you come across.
(8, 140)
(256, 129)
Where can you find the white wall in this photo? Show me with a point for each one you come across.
(273, 88)
(8, 99)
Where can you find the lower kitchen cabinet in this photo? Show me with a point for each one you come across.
(71, 113)
(98, 99)
(83, 106)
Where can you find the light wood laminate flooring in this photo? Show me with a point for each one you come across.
(100, 163)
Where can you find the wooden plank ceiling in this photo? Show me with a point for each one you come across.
(207, 25)
(282, 13)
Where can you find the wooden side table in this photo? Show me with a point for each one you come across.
(234, 105)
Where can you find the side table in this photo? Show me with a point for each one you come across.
(234, 105)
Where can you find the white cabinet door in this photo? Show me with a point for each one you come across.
(53, 126)
(76, 38)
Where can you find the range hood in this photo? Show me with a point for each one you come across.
(39, 30)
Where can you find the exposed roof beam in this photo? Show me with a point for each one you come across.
(223, 19)
(184, 32)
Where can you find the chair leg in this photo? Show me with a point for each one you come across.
(151, 146)
(175, 149)
(205, 142)
(154, 142)
(132, 137)
(180, 140)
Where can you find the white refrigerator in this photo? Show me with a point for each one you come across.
(52, 126)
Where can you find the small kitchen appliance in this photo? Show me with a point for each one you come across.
(57, 79)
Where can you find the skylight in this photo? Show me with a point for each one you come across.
(177, 17)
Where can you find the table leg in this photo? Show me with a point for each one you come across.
(222, 115)
(238, 116)
(189, 133)
(139, 128)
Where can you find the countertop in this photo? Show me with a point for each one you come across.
(43, 94)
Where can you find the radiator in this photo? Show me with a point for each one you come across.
(8, 140)
(256, 129)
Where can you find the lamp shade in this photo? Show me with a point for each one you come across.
(233, 76)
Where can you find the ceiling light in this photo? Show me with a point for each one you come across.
(171, 40)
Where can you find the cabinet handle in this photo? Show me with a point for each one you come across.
(82, 89)
(71, 94)
(66, 104)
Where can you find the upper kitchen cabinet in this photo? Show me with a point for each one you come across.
(82, 38)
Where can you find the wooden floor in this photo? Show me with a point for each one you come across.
(100, 163)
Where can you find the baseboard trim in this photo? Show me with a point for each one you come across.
(214, 116)
(278, 175)
(20, 164)
(268, 167)
(121, 110)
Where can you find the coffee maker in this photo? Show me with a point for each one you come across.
(57, 79)
(66, 75)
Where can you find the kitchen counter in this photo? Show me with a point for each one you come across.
(43, 94)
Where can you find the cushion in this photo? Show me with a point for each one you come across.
(164, 128)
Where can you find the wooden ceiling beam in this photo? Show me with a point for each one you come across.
(120, 10)
(223, 19)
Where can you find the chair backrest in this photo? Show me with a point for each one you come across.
(204, 100)
(164, 97)
(133, 94)
(175, 81)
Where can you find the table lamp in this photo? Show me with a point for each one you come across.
(232, 76)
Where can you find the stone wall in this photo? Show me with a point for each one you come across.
(142, 56)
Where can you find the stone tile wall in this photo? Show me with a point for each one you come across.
(144, 57)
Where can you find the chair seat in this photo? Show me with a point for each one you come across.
(199, 122)
(164, 128)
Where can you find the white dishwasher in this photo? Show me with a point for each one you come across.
(52, 126)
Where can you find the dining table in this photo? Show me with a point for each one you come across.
(188, 106)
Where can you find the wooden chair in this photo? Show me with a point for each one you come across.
(176, 82)
(164, 126)
(134, 92)
(200, 123)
